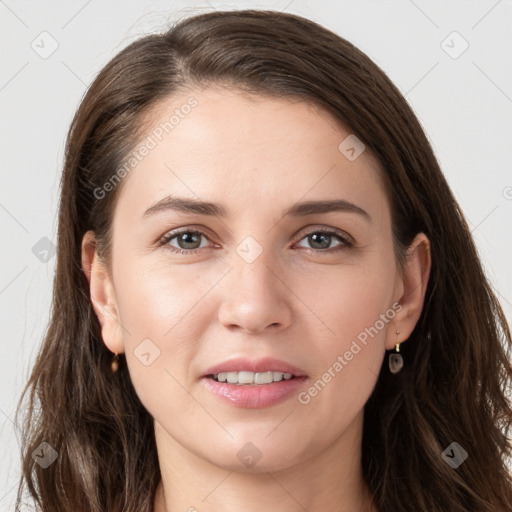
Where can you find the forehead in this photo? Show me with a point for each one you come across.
(222, 145)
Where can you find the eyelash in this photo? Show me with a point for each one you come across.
(345, 243)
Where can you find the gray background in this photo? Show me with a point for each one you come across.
(464, 101)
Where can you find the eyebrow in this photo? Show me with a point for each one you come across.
(195, 206)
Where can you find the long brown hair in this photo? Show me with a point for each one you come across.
(456, 374)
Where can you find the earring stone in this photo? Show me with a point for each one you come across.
(396, 361)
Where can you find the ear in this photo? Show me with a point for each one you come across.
(413, 285)
(102, 294)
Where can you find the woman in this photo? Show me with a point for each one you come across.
(250, 217)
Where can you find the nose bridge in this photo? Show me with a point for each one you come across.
(253, 270)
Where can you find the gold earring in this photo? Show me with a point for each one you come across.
(396, 361)
(114, 365)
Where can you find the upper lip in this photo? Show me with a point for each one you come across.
(255, 365)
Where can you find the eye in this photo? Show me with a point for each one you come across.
(186, 239)
(321, 239)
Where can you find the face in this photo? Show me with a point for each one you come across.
(188, 290)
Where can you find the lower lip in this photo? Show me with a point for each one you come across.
(255, 396)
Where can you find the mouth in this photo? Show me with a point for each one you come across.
(256, 388)
(247, 378)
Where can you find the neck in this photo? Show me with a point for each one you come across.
(331, 480)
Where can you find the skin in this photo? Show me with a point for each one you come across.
(256, 156)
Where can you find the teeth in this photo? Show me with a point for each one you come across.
(244, 377)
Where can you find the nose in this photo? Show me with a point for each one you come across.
(255, 296)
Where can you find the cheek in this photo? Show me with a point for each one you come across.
(163, 319)
(346, 299)
(354, 310)
(158, 300)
